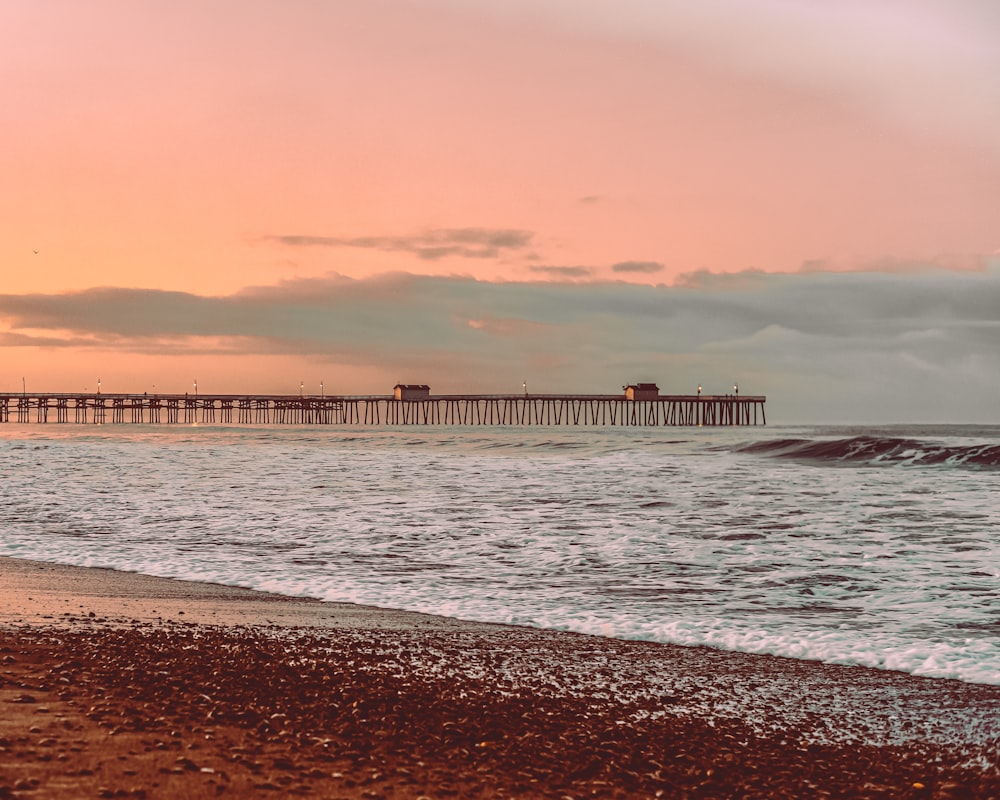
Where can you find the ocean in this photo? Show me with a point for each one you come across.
(871, 546)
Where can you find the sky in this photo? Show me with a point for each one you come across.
(796, 196)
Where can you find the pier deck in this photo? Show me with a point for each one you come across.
(510, 410)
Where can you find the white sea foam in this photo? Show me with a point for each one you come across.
(665, 535)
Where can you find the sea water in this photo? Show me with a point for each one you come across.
(865, 546)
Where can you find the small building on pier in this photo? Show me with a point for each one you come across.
(411, 391)
(642, 391)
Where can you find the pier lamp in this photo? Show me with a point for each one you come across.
(302, 386)
(196, 387)
(98, 385)
(525, 385)
(321, 394)
(736, 389)
(699, 390)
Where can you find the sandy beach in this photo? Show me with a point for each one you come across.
(121, 685)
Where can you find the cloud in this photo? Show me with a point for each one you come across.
(646, 267)
(913, 346)
(430, 245)
(944, 261)
(51, 340)
(564, 272)
(509, 327)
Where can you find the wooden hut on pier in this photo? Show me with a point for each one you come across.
(411, 391)
(642, 391)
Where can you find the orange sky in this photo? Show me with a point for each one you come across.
(207, 148)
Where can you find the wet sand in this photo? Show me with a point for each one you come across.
(119, 685)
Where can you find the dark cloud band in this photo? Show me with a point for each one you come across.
(822, 343)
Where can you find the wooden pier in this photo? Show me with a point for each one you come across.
(378, 410)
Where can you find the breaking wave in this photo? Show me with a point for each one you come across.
(878, 450)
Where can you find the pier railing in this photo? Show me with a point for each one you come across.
(509, 410)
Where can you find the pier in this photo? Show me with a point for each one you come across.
(384, 410)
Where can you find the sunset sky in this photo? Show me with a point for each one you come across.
(799, 196)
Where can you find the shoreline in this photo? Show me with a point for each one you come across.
(255, 690)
